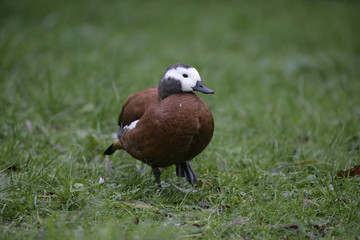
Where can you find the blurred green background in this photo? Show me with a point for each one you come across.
(286, 110)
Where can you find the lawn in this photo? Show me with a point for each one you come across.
(286, 76)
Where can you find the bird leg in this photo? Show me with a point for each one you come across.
(184, 170)
(156, 172)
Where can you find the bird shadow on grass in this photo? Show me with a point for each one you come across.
(139, 184)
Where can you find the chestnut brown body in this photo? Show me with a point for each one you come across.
(136, 105)
(170, 131)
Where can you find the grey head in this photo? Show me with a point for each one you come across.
(180, 78)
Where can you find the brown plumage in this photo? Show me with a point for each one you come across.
(136, 105)
(174, 125)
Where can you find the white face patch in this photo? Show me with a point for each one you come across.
(132, 125)
(187, 77)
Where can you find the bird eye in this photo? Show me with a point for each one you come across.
(185, 75)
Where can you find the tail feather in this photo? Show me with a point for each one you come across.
(184, 170)
(113, 147)
(110, 150)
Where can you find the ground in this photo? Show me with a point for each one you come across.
(286, 76)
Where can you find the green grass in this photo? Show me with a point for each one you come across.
(286, 76)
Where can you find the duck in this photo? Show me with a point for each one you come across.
(167, 124)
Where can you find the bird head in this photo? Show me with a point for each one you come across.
(180, 78)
